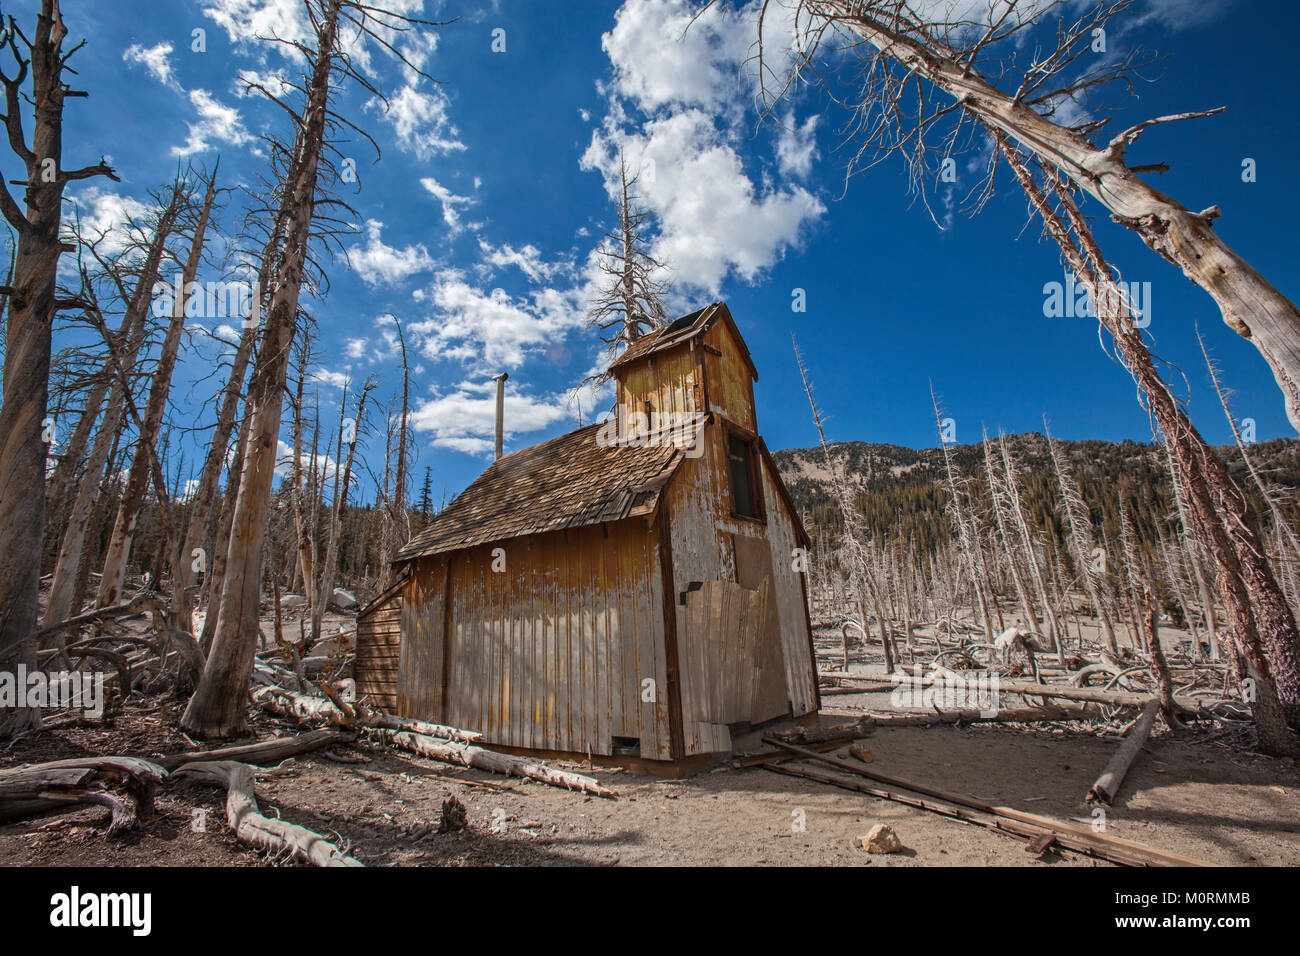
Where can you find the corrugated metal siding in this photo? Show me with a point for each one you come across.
(549, 653)
(376, 666)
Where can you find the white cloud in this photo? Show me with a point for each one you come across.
(692, 82)
(491, 330)
(796, 148)
(449, 201)
(217, 122)
(377, 263)
(245, 20)
(97, 212)
(420, 121)
(660, 57)
(464, 419)
(527, 259)
(325, 465)
(155, 59)
(712, 217)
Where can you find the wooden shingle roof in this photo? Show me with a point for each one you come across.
(567, 482)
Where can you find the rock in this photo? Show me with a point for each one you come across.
(344, 600)
(292, 600)
(881, 839)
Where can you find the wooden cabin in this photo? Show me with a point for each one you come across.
(632, 588)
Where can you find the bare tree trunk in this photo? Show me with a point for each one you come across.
(1250, 305)
(219, 704)
(1223, 516)
(32, 305)
(859, 573)
(1082, 539)
(137, 482)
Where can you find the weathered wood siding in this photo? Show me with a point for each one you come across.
(669, 382)
(729, 380)
(549, 653)
(420, 676)
(702, 528)
(378, 641)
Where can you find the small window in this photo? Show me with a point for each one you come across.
(745, 499)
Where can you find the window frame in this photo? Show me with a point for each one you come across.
(754, 463)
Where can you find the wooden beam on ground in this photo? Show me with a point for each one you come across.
(1068, 835)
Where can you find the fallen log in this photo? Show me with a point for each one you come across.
(467, 755)
(125, 785)
(1094, 695)
(1013, 715)
(1108, 784)
(262, 752)
(817, 735)
(441, 731)
(285, 703)
(1068, 835)
(256, 830)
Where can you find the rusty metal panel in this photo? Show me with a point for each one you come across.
(550, 652)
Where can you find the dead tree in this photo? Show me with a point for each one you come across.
(123, 353)
(142, 462)
(219, 704)
(1263, 627)
(908, 56)
(1082, 539)
(966, 538)
(977, 62)
(1031, 558)
(859, 570)
(629, 301)
(31, 305)
(396, 528)
(338, 504)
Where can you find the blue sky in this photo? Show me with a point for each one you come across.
(478, 225)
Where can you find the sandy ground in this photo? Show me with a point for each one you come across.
(1193, 794)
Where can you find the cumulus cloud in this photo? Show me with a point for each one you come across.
(712, 217)
(156, 60)
(449, 201)
(380, 264)
(687, 80)
(796, 148)
(527, 259)
(661, 57)
(491, 330)
(217, 125)
(97, 212)
(464, 418)
(420, 121)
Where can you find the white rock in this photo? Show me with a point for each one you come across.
(881, 839)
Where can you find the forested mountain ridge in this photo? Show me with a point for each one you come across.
(902, 492)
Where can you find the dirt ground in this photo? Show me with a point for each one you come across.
(1193, 794)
